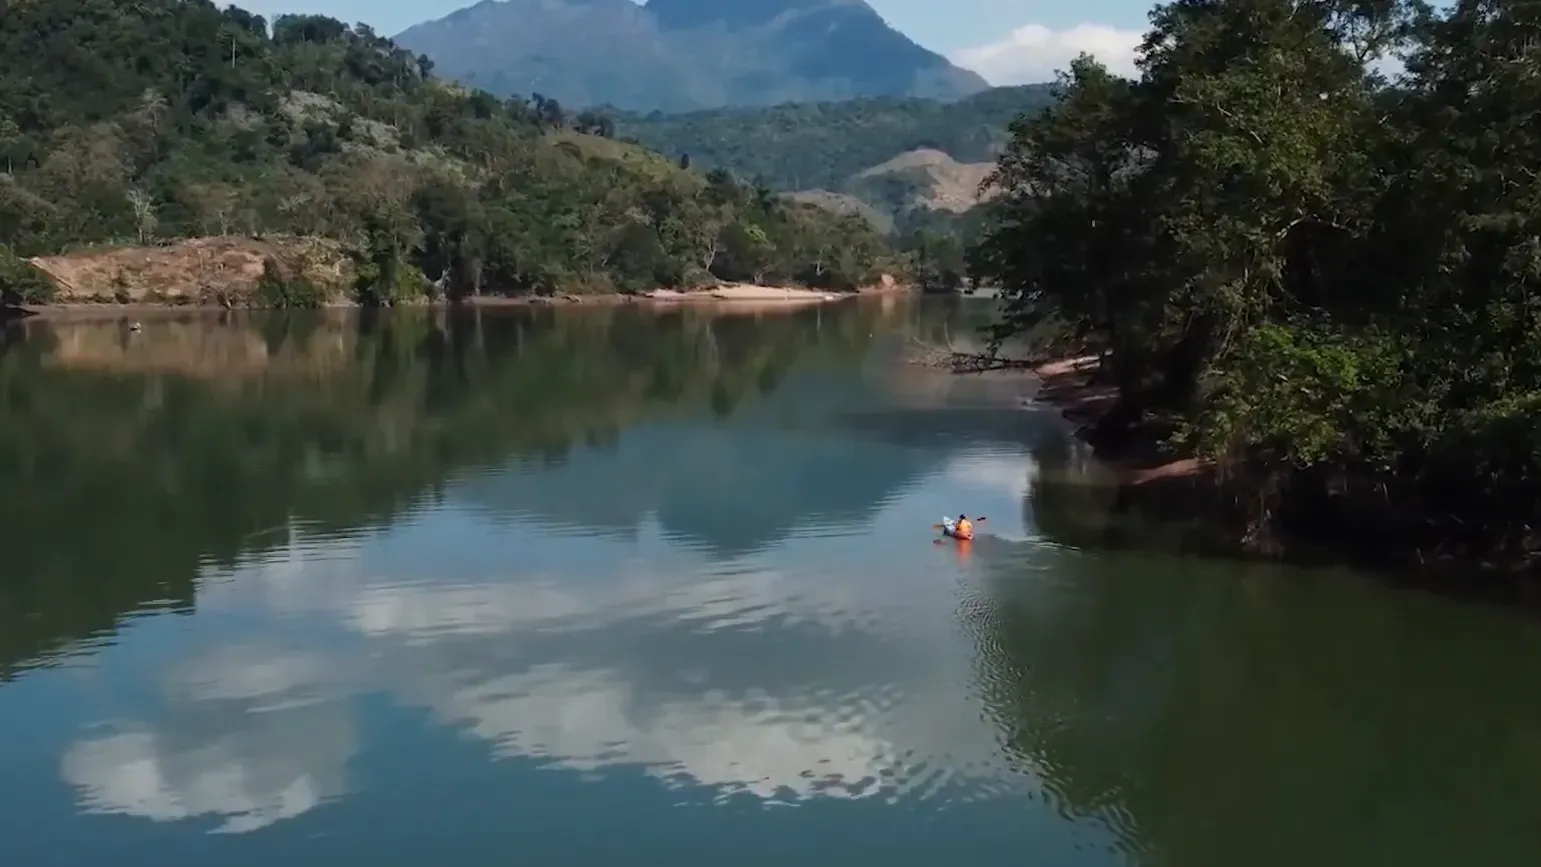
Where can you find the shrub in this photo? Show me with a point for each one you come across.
(20, 283)
(409, 284)
(276, 291)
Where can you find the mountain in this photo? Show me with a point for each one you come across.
(683, 55)
(917, 190)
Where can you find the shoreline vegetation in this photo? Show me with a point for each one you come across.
(308, 163)
(1316, 282)
(740, 297)
(1075, 386)
(727, 298)
(1168, 486)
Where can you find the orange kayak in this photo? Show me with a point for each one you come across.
(950, 529)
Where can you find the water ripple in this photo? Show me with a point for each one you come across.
(670, 680)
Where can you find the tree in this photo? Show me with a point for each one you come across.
(747, 251)
(214, 204)
(144, 214)
(10, 137)
(1322, 279)
(938, 261)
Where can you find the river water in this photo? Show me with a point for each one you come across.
(600, 587)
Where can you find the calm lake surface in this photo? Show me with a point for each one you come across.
(605, 587)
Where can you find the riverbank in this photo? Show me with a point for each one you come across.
(1070, 385)
(1384, 523)
(736, 298)
(734, 294)
(227, 273)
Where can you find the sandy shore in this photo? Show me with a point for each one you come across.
(741, 298)
(1067, 385)
(743, 293)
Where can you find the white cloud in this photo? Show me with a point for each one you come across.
(771, 746)
(131, 773)
(1034, 53)
(267, 678)
(650, 671)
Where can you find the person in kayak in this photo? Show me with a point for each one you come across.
(964, 529)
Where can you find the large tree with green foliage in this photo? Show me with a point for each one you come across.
(1323, 279)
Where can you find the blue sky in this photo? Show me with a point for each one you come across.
(1006, 41)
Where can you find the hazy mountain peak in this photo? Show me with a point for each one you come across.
(681, 14)
(678, 55)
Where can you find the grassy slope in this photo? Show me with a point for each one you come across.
(822, 145)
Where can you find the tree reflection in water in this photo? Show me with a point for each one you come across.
(1221, 713)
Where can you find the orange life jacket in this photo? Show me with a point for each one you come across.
(964, 530)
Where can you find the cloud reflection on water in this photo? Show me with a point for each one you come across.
(780, 676)
(246, 736)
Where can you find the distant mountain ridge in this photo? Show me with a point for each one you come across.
(900, 162)
(684, 55)
(823, 144)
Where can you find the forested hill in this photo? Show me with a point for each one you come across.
(159, 119)
(823, 145)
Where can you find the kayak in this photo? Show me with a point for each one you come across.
(950, 529)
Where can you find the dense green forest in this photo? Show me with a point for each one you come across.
(138, 123)
(828, 145)
(1323, 279)
(822, 145)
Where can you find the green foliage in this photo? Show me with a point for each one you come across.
(824, 150)
(1301, 396)
(822, 145)
(1315, 268)
(938, 262)
(280, 292)
(384, 284)
(133, 123)
(20, 283)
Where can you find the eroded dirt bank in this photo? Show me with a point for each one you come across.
(222, 273)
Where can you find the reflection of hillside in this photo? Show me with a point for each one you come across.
(732, 490)
(1074, 499)
(201, 346)
(1078, 501)
(952, 322)
(935, 427)
(822, 450)
(1217, 714)
(118, 485)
